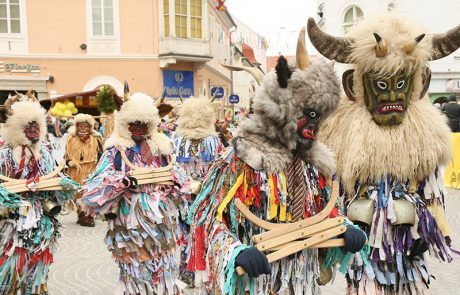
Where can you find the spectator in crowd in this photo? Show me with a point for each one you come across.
(452, 111)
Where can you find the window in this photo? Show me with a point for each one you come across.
(10, 20)
(102, 17)
(351, 18)
(187, 18)
(181, 18)
(196, 15)
(166, 16)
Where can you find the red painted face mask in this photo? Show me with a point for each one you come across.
(138, 131)
(307, 127)
(32, 131)
(83, 130)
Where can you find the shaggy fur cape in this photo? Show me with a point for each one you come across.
(196, 118)
(267, 139)
(12, 131)
(139, 107)
(366, 151)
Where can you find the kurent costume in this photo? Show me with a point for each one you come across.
(142, 226)
(390, 144)
(196, 147)
(83, 148)
(28, 228)
(281, 174)
(196, 141)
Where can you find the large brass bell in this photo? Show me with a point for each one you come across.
(4, 212)
(404, 211)
(51, 207)
(112, 214)
(325, 274)
(361, 210)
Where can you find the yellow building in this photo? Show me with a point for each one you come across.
(59, 47)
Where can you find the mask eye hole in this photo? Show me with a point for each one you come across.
(382, 85)
(400, 84)
(312, 114)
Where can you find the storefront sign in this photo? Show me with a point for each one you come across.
(217, 92)
(233, 99)
(452, 85)
(17, 68)
(178, 83)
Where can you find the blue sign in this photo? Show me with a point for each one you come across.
(233, 98)
(178, 83)
(219, 90)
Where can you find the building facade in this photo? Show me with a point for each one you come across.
(249, 49)
(60, 47)
(337, 16)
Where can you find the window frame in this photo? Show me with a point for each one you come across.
(173, 28)
(115, 21)
(21, 19)
(346, 26)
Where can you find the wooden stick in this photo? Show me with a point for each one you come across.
(51, 175)
(140, 176)
(275, 232)
(44, 183)
(301, 233)
(145, 169)
(332, 243)
(301, 245)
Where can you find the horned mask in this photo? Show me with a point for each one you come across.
(390, 56)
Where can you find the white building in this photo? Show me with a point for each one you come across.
(249, 49)
(337, 16)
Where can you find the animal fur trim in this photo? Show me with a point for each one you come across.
(268, 137)
(197, 116)
(398, 33)
(11, 132)
(139, 107)
(366, 151)
(81, 118)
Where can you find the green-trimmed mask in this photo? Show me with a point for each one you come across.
(387, 98)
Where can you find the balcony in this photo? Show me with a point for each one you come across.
(179, 49)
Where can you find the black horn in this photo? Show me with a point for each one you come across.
(334, 48)
(445, 44)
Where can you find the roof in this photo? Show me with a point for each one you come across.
(248, 53)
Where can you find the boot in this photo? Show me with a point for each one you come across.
(81, 215)
(87, 221)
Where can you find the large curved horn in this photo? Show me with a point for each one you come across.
(335, 48)
(301, 56)
(256, 73)
(445, 44)
(161, 99)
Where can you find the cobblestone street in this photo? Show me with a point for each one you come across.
(84, 266)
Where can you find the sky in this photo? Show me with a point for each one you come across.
(278, 20)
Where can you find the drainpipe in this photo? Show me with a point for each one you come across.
(232, 30)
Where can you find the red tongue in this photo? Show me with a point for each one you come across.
(308, 134)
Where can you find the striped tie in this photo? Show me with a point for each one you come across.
(146, 154)
(296, 189)
(33, 176)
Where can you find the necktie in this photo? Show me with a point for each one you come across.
(146, 154)
(297, 189)
(33, 176)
